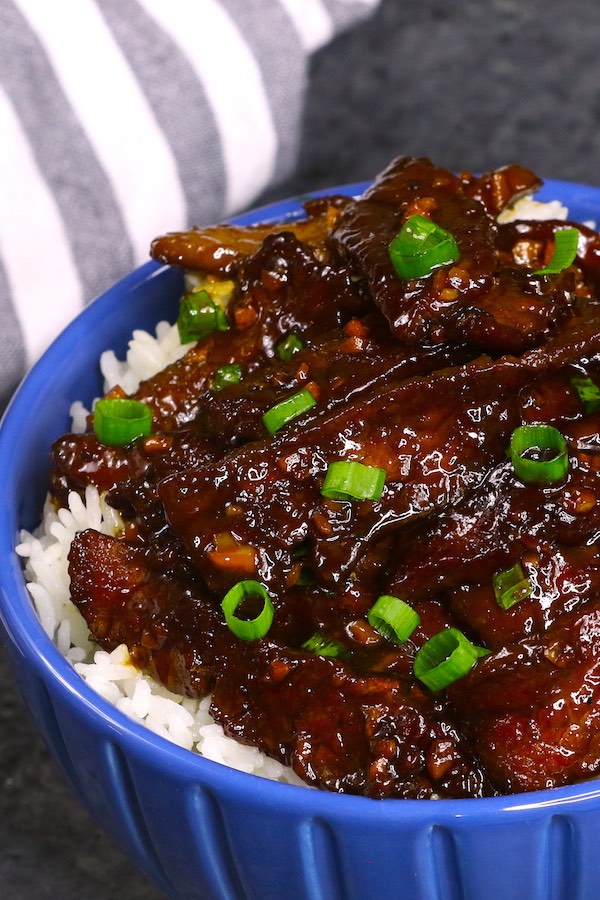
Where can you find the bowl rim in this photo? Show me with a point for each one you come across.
(27, 637)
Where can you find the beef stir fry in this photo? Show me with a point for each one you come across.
(365, 517)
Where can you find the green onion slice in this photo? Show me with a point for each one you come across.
(421, 246)
(511, 586)
(119, 421)
(349, 480)
(289, 409)
(539, 453)
(227, 375)
(221, 319)
(248, 629)
(588, 391)
(290, 344)
(565, 251)
(321, 645)
(393, 618)
(199, 316)
(445, 658)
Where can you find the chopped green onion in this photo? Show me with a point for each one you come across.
(199, 316)
(421, 246)
(393, 618)
(445, 658)
(290, 344)
(551, 460)
(289, 409)
(119, 421)
(248, 629)
(227, 375)
(588, 391)
(511, 586)
(565, 251)
(321, 645)
(349, 480)
(221, 319)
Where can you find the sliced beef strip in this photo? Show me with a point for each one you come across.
(337, 368)
(501, 188)
(504, 523)
(282, 287)
(532, 709)
(436, 438)
(483, 298)
(340, 730)
(222, 249)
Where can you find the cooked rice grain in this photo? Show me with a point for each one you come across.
(113, 676)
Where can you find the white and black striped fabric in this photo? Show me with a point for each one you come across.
(122, 119)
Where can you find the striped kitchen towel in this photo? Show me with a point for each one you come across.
(122, 119)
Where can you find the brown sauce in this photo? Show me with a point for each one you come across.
(426, 379)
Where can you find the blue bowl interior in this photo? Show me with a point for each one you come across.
(38, 415)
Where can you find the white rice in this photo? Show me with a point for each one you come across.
(186, 722)
(528, 208)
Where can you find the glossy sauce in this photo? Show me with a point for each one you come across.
(426, 379)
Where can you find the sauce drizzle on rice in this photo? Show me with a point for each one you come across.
(425, 380)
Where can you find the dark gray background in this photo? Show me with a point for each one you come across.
(472, 85)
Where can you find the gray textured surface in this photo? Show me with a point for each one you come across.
(471, 85)
(49, 847)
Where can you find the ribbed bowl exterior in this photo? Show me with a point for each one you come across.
(197, 829)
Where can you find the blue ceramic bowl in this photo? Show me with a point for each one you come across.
(198, 829)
